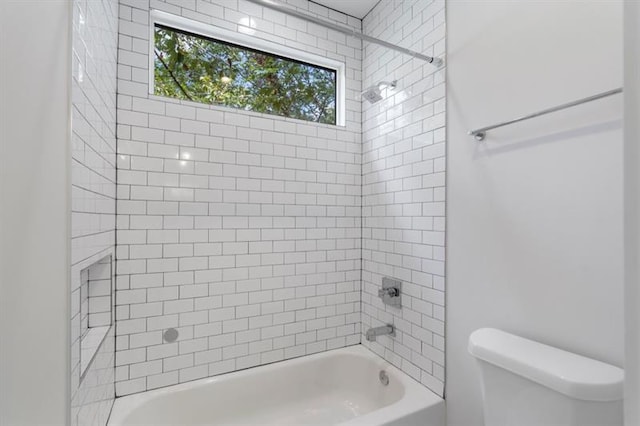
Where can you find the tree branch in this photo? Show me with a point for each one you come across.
(323, 109)
(182, 89)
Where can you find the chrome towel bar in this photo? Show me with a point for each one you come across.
(480, 134)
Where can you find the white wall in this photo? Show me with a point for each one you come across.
(34, 215)
(534, 242)
(403, 169)
(241, 230)
(93, 192)
(632, 210)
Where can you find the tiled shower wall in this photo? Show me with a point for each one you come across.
(93, 178)
(240, 230)
(403, 173)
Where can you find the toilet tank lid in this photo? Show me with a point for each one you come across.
(570, 374)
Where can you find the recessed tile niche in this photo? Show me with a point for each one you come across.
(96, 308)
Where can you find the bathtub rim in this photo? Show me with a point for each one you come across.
(416, 396)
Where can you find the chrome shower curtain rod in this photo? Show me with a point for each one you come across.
(348, 31)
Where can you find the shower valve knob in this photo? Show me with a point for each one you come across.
(389, 292)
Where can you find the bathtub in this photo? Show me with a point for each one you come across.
(338, 387)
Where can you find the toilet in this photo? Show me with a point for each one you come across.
(526, 383)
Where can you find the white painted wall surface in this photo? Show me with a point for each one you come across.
(632, 210)
(534, 212)
(34, 212)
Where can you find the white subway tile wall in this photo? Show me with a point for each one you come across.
(403, 192)
(96, 294)
(93, 400)
(240, 230)
(93, 179)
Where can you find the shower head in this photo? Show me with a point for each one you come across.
(374, 93)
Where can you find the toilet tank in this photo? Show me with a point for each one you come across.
(526, 383)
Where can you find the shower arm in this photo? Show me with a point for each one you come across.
(344, 30)
(393, 84)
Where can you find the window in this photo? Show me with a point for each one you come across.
(201, 63)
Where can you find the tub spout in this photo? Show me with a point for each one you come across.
(372, 333)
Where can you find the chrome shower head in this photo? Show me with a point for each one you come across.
(374, 93)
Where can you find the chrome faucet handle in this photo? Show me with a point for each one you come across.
(389, 292)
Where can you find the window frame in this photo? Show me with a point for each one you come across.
(180, 23)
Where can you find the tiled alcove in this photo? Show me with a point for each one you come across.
(96, 308)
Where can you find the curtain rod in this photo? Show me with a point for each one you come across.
(348, 31)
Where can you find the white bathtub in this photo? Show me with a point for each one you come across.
(339, 387)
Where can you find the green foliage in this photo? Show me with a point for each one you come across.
(203, 70)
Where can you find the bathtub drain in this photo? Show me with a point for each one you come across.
(384, 377)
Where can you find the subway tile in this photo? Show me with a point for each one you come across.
(258, 248)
